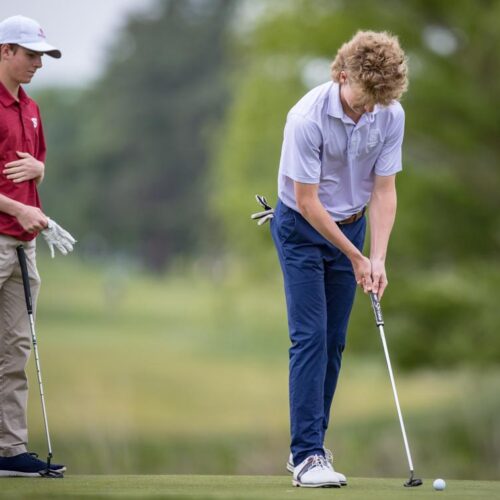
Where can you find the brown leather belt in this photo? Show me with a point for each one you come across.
(352, 218)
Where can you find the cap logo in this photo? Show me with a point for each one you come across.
(41, 34)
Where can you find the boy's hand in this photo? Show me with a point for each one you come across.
(24, 169)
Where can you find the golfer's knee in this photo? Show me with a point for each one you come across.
(308, 340)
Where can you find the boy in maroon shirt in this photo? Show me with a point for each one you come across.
(22, 157)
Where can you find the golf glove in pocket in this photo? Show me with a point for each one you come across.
(57, 237)
(266, 215)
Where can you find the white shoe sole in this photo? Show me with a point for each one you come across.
(289, 468)
(317, 485)
(15, 473)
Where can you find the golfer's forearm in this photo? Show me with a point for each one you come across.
(382, 215)
(313, 211)
(10, 206)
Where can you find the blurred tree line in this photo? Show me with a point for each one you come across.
(129, 156)
(164, 153)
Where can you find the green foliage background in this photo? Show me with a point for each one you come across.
(168, 325)
(130, 154)
(443, 261)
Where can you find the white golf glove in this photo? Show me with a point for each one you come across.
(57, 237)
(266, 215)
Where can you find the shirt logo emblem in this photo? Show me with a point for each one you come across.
(35, 122)
(374, 137)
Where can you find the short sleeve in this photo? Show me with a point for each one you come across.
(389, 161)
(301, 151)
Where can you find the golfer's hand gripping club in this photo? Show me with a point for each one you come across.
(377, 310)
(266, 215)
(57, 237)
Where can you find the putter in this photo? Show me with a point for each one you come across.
(29, 306)
(379, 320)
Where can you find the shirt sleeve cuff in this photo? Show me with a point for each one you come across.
(299, 178)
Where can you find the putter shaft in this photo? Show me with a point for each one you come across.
(40, 385)
(379, 320)
(29, 306)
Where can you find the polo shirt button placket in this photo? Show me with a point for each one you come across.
(353, 144)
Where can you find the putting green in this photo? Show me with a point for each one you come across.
(233, 487)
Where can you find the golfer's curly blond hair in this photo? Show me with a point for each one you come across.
(376, 63)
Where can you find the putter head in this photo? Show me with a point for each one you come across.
(413, 481)
(52, 474)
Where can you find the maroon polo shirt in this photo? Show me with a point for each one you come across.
(20, 130)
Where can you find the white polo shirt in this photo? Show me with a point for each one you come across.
(322, 145)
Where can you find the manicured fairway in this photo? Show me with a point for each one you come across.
(233, 487)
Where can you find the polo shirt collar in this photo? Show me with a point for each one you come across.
(7, 99)
(23, 96)
(334, 105)
(336, 110)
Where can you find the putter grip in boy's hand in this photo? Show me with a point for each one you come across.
(57, 237)
(26, 279)
(377, 310)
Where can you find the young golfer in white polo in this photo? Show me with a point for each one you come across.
(341, 152)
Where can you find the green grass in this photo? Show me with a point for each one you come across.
(234, 487)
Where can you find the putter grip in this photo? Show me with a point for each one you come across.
(377, 310)
(26, 279)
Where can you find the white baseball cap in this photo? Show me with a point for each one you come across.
(27, 33)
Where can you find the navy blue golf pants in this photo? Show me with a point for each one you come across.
(319, 287)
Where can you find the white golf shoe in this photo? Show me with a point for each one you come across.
(315, 472)
(329, 460)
